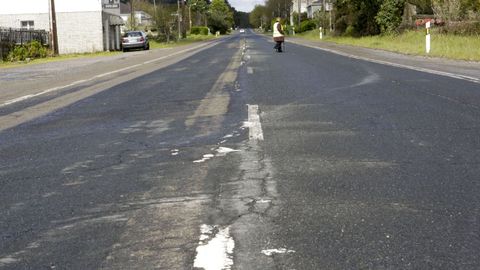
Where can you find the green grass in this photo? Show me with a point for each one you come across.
(63, 57)
(413, 42)
(153, 44)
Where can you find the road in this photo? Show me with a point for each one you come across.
(227, 155)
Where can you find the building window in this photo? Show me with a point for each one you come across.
(27, 25)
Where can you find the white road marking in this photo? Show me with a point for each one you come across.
(205, 158)
(15, 100)
(253, 123)
(215, 249)
(7, 260)
(426, 70)
(270, 252)
(249, 70)
(223, 151)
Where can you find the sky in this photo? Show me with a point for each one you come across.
(245, 5)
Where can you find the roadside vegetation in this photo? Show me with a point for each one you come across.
(51, 58)
(412, 42)
(394, 25)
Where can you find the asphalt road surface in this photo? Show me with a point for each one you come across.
(232, 156)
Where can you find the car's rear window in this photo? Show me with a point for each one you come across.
(133, 34)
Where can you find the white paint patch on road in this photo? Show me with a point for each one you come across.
(7, 260)
(215, 249)
(253, 123)
(174, 152)
(264, 201)
(205, 158)
(249, 70)
(223, 151)
(74, 183)
(270, 252)
(370, 79)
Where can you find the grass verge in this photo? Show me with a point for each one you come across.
(6, 64)
(413, 42)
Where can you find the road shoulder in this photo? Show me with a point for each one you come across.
(452, 68)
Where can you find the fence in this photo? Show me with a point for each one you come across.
(11, 36)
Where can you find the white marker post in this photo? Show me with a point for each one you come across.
(427, 38)
(321, 33)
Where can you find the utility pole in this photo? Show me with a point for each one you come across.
(132, 16)
(184, 21)
(155, 10)
(190, 17)
(299, 11)
(179, 19)
(54, 27)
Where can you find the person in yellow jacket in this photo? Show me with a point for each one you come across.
(278, 35)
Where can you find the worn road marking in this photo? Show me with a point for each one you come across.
(205, 158)
(26, 97)
(270, 252)
(249, 70)
(214, 105)
(215, 249)
(253, 123)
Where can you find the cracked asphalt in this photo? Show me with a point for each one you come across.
(361, 166)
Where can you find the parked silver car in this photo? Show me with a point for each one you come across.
(135, 40)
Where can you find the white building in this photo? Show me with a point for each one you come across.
(298, 6)
(309, 7)
(82, 25)
(314, 7)
(141, 17)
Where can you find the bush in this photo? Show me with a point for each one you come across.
(288, 29)
(307, 25)
(350, 31)
(389, 17)
(163, 37)
(461, 28)
(199, 30)
(32, 50)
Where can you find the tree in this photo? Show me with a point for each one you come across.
(165, 22)
(357, 17)
(258, 16)
(471, 9)
(220, 16)
(199, 7)
(278, 8)
(241, 19)
(389, 17)
(131, 23)
(448, 10)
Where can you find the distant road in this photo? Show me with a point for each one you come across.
(228, 155)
